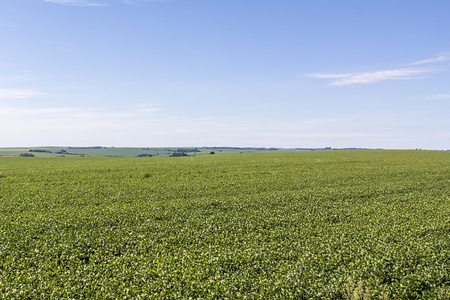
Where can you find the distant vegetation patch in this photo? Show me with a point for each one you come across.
(40, 151)
(88, 148)
(26, 155)
(65, 152)
(184, 150)
(178, 154)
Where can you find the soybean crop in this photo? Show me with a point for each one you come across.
(369, 224)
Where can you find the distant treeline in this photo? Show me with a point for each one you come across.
(83, 148)
(245, 148)
(64, 152)
(26, 155)
(39, 150)
(187, 150)
(328, 148)
(178, 154)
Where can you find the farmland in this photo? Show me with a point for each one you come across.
(275, 225)
(98, 151)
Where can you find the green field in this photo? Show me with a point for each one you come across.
(128, 152)
(371, 224)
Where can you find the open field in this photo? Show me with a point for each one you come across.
(128, 152)
(53, 151)
(275, 225)
(6, 152)
(13, 150)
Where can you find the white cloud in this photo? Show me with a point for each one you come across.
(370, 77)
(329, 76)
(76, 2)
(439, 97)
(132, 2)
(12, 25)
(146, 108)
(443, 56)
(73, 117)
(12, 78)
(320, 135)
(27, 112)
(20, 93)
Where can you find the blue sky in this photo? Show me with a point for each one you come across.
(266, 73)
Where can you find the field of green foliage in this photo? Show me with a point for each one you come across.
(293, 225)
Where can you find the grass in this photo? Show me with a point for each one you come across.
(301, 225)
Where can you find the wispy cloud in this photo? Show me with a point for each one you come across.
(443, 56)
(329, 76)
(20, 93)
(12, 25)
(439, 97)
(12, 78)
(27, 112)
(376, 76)
(76, 2)
(320, 134)
(133, 2)
(136, 113)
(370, 77)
